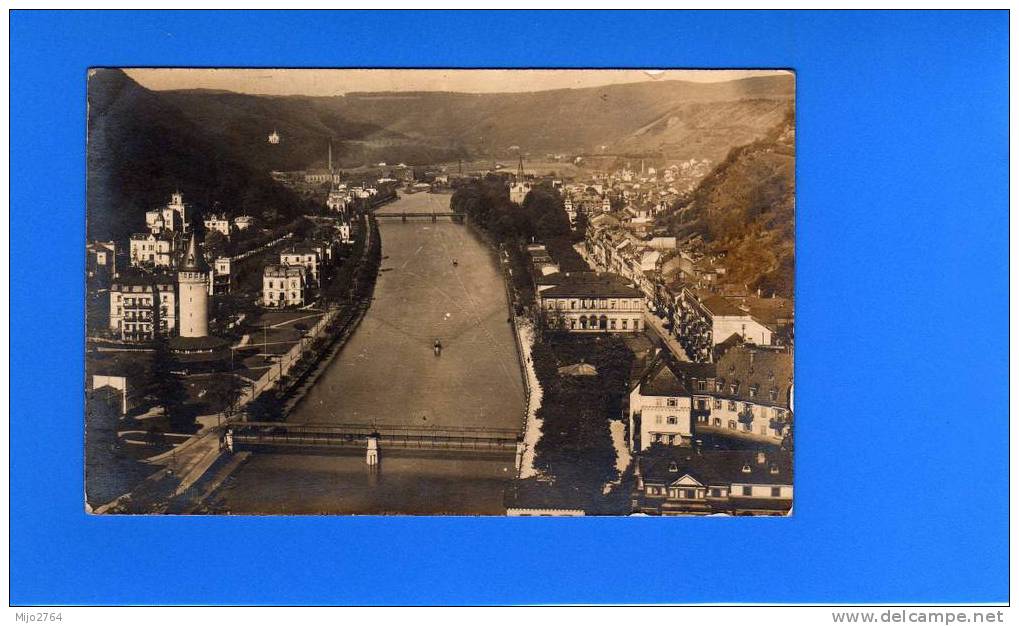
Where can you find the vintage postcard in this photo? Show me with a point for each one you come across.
(440, 292)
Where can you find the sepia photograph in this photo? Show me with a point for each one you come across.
(440, 292)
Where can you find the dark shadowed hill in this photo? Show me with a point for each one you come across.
(745, 208)
(141, 148)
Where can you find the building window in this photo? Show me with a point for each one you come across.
(672, 439)
(703, 419)
(718, 422)
(702, 385)
(753, 390)
(716, 493)
(748, 491)
(672, 420)
(732, 405)
(718, 403)
(732, 424)
(773, 394)
(776, 492)
(624, 324)
(672, 402)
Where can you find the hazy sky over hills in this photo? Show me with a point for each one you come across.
(323, 82)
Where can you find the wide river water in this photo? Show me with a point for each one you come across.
(387, 373)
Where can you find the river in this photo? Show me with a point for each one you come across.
(388, 374)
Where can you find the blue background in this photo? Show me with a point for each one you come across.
(902, 326)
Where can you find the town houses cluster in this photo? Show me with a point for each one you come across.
(709, 415)
(153, 287)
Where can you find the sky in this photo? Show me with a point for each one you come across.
(324, 82)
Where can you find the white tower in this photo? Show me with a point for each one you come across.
(194, 294)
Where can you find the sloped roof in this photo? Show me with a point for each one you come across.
(718, 467)
(660, 380)
(578, 369)
(591, 285)
(766, 369)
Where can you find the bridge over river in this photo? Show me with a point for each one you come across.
(387, 374)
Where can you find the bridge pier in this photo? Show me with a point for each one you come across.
(372, 454)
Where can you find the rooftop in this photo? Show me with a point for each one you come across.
(591, 285)
(717, 467)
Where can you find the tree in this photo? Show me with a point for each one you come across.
(215, 245)
(166, 387)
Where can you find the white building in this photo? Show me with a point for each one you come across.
(304, 256)
(219, 223)
(142, 307)
(590, 302)
(283, 285)
(659, 408)
(152, 250)
(519, 191)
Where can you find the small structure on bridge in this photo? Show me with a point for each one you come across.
(372, 456)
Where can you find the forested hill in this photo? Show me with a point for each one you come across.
(672, 119)
(142, 147)
(745, 209)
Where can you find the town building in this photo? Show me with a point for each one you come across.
(519, 191)
(304, 256)
(659, 408)
(704, 320)
(218, 222)
(101, 259)
(153, 250)
(244, 222)
(283, 285)
(142, 306)
(593, 302)
(220, 280)
(751, 394)
(690, 481)
(173, 217)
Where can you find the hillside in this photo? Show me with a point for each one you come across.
(675, 119)
(744, 210)
(141, 147)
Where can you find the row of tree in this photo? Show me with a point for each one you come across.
(576, 443)
(487, 203)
